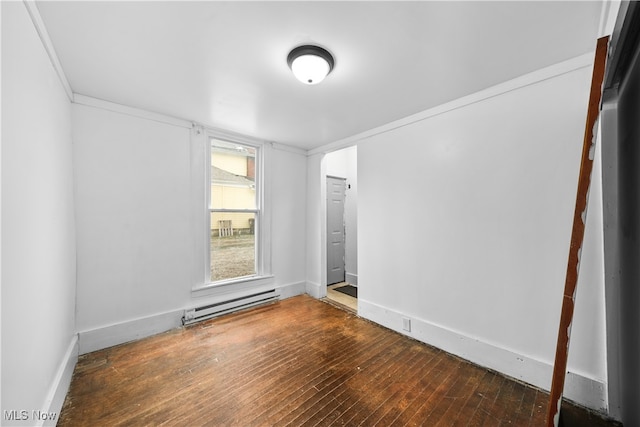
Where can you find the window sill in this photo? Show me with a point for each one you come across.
(233, 285)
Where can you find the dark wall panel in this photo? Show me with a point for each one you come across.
(629, 234)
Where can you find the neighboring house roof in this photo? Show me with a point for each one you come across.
(222, 177)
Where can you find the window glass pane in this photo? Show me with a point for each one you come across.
(233, 245)
(233, 176)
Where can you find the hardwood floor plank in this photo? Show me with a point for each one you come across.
(429, 390)
(368, 372)
(508, 411)
(486, 393)
(445, 411)
(459, 415)
(523, 413)
(493, 404)
(352, 395)
(283, 393)
(412, 390)
(398, 387)
(371, 394)
(360, 360)
(295, 362)
(421, 417)
(538, 414)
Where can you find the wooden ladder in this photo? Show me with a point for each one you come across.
(577, 235)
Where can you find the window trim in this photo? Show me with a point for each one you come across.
(263, 224)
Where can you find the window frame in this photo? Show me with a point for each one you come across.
(262, 218)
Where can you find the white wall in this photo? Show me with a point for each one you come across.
(289, 214)
(343, 163)
(38, 235)
(316, 274)
(132, 197)
(135, 224)
(489, 188)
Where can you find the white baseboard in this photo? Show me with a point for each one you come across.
(120, 333)
(291, 290)
(351, 278)
(315, 290)
(131, 330)
(61, 383)
(578, 388)
(586, 392)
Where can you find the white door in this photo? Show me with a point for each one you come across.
(335, 230)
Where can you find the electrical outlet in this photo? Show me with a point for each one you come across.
(406, 324)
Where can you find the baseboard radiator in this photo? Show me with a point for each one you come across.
(209, 311)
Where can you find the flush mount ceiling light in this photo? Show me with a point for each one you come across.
(310, 64)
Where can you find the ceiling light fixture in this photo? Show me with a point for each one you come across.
(310, 64)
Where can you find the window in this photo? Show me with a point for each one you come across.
(234, 210)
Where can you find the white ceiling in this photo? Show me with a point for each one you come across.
(223, 64)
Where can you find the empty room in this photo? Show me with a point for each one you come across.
(320, 213)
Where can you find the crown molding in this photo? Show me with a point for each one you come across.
(38, 23)
(131, 111)
(573, 64)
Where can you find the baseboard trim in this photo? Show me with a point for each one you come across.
(586, 391)
(291, 290)
(351, 278)
(315, 290)
(578, 388)
(132, 330)
(60, 385)
(120, 333)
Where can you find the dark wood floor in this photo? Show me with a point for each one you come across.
(295, 362)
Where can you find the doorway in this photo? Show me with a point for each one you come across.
(341, 271)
